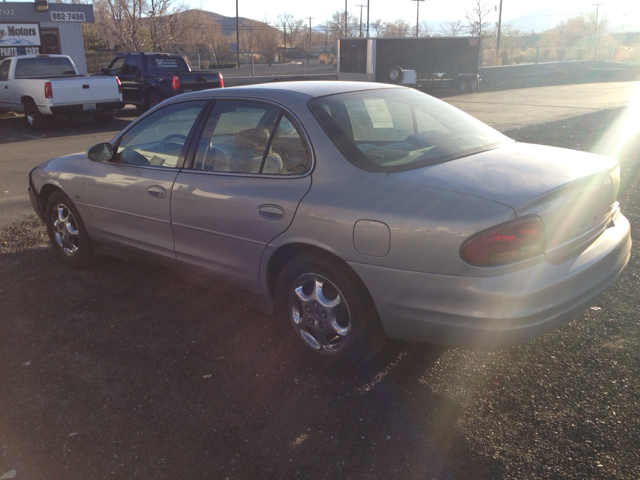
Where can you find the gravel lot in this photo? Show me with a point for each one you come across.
(125, 371)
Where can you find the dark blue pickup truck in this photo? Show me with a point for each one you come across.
(149, 78)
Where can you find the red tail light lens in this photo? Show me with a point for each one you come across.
(48, 91)
(221, 80)
(119, 85)
(175, 82)
(510, 242)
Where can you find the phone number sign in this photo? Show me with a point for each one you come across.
(68, 17)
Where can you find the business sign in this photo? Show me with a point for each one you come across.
(19, 39)
(68, 17)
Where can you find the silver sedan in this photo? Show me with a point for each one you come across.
(356, 211)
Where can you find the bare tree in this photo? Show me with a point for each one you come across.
(476, 17)
(378, 26)
(267, 41)
(122, 23)
(337, 23)
(452, 29)
(424, 30)
(398, 28)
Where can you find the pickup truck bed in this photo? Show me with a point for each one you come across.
(149, 78)
(59, 92)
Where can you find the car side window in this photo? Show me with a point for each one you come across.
(289, 145)
(235, 139)
(158, 139)
(247, 137)
(116, 67)
(4, 71)
(131, 66)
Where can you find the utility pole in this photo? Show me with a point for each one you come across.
(360, 29)
(595, 50)
(310, 18)
(346, 21)
(368, 19)
(237, 37)
(499, 28)
(417, 14)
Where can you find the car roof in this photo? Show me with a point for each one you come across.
(279, 90)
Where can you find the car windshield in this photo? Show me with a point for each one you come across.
(391, 130)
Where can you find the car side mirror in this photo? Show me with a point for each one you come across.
(104, 71)
(102, 152)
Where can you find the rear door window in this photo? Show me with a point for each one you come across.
(251, 138)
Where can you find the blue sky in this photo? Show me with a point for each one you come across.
(406, 9)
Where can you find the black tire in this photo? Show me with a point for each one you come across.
(153, 99)
(32, 115)
(395, 74)
(67, 233)
(473, 84)
(325, 309)
(463, 85)
(104, 119)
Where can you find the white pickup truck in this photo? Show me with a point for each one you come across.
(41, 86)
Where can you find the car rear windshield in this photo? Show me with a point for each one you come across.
(44, 67)
(166, 63)
(392, 130)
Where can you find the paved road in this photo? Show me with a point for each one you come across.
(510, 109)
(22, 149)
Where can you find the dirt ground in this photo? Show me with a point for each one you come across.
(125, 371)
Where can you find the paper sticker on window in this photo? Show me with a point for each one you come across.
(378, 113)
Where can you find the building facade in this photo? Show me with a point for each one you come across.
(49, 29)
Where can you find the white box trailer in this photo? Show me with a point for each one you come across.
(421, 62)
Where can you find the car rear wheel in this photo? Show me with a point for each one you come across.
(67, 233)
(325, 309)
(152, 100)
(34, 118)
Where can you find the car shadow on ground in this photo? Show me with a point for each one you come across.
(15, 128)
(133, 360)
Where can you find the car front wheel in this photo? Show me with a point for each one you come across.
(326, 310)
(67, 233)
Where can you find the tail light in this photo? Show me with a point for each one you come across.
(48, 91)
(175, 82)
(119, 85)
(221, 80)
(510, 242)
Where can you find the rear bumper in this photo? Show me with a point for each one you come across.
(79, 110)
(496, 311)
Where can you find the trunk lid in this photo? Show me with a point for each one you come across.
(573, 192)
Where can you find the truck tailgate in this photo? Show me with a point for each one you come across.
(77, 90)
(193, 81)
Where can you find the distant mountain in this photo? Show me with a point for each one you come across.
(228, 24)
(542, 19)
(548, 17)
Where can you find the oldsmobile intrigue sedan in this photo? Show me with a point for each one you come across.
(356, 211)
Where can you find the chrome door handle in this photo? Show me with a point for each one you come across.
(157, 191)
(271, 212)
